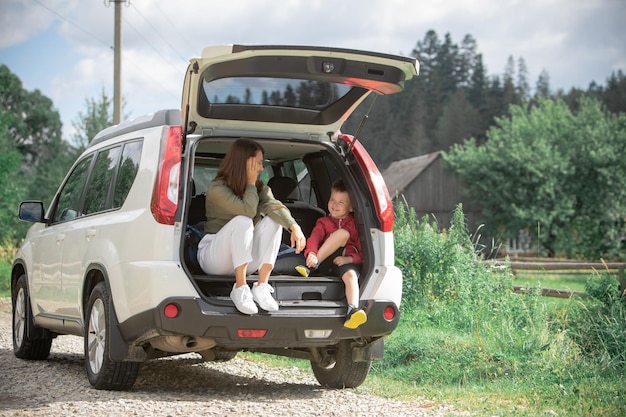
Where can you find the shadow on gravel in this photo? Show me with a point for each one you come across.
(62, 379)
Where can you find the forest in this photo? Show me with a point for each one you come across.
(452, 101)
(454, 98)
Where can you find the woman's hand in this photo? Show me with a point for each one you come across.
(252, 170)
(298, 240)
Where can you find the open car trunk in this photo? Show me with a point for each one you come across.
(300, 174)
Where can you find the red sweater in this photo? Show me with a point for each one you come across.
(327, 225)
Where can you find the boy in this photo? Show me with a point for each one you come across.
(335, 238)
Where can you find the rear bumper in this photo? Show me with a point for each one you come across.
(290, 327)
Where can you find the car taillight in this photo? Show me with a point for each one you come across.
(375, 183)
(251, 333)
(389, 313)
(165, 194)
(171, 310)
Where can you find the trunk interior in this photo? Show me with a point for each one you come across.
(300, 175)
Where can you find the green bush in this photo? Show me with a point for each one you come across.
(446, 277)
(7, 253)
(598, 324)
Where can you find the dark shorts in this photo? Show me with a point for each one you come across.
(329, 268)
(287, 261)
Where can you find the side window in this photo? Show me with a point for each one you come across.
(100, 182)
(129, 167)
(68, 204)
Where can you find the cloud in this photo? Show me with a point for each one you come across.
(19, 21)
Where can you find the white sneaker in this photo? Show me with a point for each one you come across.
(262, 294)
(243, 299)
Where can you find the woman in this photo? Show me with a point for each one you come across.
(244, 227)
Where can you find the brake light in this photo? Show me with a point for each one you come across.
(171, 310)
(165, 194)
(375, 183)
(251, 333)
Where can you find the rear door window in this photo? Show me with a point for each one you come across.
(100, 184)
(129, 166)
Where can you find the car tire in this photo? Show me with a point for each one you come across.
(102, 371)
(338, 370)
(222, 355)
(25, 345)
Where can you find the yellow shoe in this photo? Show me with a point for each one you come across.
(303, 270)
(355, 319)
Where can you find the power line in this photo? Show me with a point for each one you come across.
(158, 32)
(135, 65)
(149, 44)
(73, 24)
(173, 26)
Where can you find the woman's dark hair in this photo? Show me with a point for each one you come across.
(233, 168)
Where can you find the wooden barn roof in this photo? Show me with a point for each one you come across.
(401, 173)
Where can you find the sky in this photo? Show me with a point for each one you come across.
(64, 48)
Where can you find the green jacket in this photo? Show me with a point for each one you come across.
(222, 205)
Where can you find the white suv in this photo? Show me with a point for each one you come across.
(112, 258)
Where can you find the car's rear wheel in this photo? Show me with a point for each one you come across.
(102, 371)
(25, 344)
(338, 370)
(223, 355)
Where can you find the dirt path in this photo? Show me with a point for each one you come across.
(179, 386)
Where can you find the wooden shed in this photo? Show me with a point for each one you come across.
(431, 189)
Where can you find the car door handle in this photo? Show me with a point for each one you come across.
(60, 238)
(90, 233)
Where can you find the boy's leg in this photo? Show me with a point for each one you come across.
(328, 251)
(336, 240)
(351, 280)
(355, 315)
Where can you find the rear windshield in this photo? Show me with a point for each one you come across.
(283, 92)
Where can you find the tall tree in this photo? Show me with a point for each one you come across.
(614, 95)
(459, 120)
(97, 116)
(35, 126)
(522, 88)
(12, 182)
(508, 95)
(543, 85)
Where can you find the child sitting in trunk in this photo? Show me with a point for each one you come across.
(335, 239)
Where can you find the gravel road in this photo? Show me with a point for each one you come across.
(180, 386)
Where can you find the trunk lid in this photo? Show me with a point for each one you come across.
(289, 92)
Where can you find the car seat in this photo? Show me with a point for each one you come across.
(286, 190)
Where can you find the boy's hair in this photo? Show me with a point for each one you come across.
(339, 186)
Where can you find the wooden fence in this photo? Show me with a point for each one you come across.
(537, 265)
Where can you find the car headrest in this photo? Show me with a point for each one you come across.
(284, 188)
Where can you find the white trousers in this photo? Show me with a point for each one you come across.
(240, 242)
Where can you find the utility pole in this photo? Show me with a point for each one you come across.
(117, 63)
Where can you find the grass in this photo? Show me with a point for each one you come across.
(552, 279)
